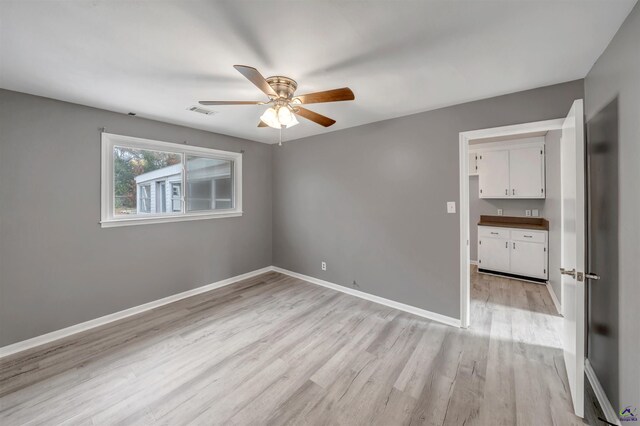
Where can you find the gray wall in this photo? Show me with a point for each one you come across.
(371, 200)
(58, 267)
(617, 74)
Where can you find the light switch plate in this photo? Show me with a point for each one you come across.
(535, 213)
(527, 213)
(451, 206)
(499, 212)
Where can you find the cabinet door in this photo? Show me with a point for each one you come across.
(493, 168)
(493, 254)
(473, 164)
(526, 172)
(528, 259)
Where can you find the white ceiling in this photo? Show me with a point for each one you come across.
(156, 58)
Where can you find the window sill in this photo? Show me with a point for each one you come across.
(112, 223)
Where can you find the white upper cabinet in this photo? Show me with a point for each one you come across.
(493, 169)
(473, 164)
(516, 171)
(526, 172)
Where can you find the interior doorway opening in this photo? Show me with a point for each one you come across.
(513, 167)
(509, 153)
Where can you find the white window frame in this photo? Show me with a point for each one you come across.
(108, 219)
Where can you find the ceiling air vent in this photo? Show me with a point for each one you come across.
(200, 110)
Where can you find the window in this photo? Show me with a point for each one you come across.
(144, 202)
(176, 197)
(143, 181)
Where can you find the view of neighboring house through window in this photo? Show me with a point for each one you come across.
(209, 183)
(159, 179)
(142, 172)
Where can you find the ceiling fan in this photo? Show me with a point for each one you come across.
(284, 106)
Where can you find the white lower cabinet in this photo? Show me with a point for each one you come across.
(493, 253)
(513, 251)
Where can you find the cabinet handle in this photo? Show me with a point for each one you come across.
(528, 236)
(514, 245)
(506, 192)
(494, 233)
(513, 191)
(506, 244)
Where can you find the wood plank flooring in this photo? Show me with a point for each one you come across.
(275, 350)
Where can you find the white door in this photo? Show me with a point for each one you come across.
(528, 259)
(526, 172)
(573, 250)
(493, 169)
(493, 254)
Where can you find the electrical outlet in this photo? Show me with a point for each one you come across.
(451, 206)
(527, 213)
(499, 212)
(535, 213)
(323, 265)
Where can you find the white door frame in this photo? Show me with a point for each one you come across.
(517, 130)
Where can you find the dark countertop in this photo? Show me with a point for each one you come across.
(535, 223)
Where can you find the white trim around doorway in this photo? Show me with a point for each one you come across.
(517, 130)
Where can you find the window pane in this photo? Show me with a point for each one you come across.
(209, 184)
(143, 179)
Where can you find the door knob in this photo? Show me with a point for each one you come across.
(571, 273)
(592, 276)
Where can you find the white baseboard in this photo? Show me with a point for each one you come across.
(59, 334)
(376, 299)
(554, 298)
(609, 413)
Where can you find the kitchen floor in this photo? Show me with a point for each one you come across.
(277, 350)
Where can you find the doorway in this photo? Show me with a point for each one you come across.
(573, 230)
(467, 140)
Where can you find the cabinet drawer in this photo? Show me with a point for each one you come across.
(491, 232)
(529, 236)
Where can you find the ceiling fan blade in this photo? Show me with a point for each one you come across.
(230, 102)
(313, 116)
(262, 124)
(335, 95)
(254, 76)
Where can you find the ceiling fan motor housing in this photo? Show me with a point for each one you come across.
(283, 86)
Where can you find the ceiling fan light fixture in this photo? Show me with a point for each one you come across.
(293, 122)
(285, 116)
(284, 105)
(270, 118)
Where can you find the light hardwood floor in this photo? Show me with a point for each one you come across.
(276, 350)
